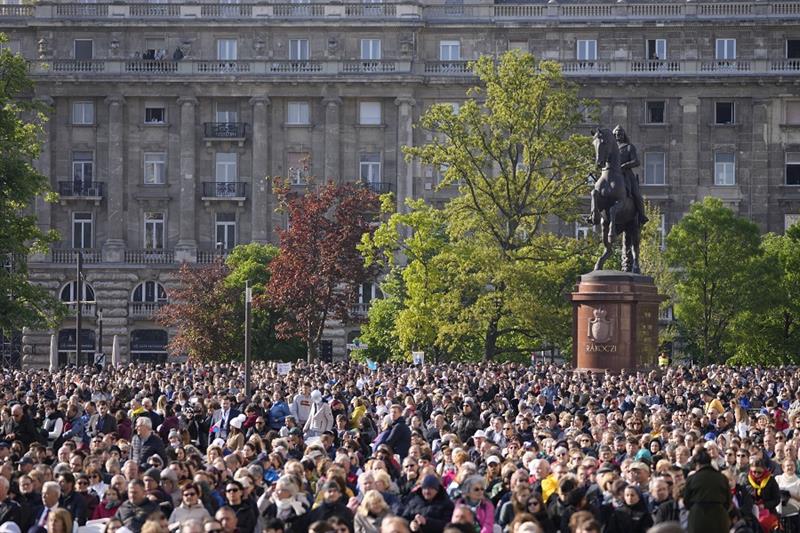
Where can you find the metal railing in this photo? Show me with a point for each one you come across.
(92, 189)
(378, 187)
(225, 130)
(149, 257)
(66, 256)
(224, 189)
(144, 309)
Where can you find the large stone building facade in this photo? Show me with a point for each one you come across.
(166, 120)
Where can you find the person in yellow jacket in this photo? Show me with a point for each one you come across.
(359, 410)
(712, 403)
(544, 476)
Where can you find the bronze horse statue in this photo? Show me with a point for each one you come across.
(611, 204)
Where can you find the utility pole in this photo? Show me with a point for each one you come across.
(248, 300)
(79, 313)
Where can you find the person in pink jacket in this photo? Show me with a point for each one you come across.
(473, 495)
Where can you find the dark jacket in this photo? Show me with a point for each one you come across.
(104, 427)
(246, 516)
(769, 497)
(141, 451)
(437, 512)
(10, 511)
(24, 430)
(76, 505)
(134, 516)
(327, 510)
(707, 495)
(399, 437)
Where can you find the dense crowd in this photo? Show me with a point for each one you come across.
(346, 448)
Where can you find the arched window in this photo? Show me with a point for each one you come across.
(149, 292)
(71, 289)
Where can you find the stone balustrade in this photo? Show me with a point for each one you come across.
(478, 12)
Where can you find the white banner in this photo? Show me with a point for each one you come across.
(418, 358)
(284, 368)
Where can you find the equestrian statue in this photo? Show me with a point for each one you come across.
(616, 201)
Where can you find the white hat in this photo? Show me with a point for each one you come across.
(9, 527)
(238, 421)
(316, 396)
(480, 434)
(218, 442)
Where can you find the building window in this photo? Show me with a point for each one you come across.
(82, 168)
(225, 231)
(82, 230)
(449, 50)
(148, 346)
(726, 49)
(792, 168)
(155, 168)
(370, 167)
(369, 113)
(299, 164)
(792, 48)
(70, 290)
(368, 292)
(587, 50)
(298, 50)
(792, 112)
(298, 113)
(655, 112)
(227, 49)
(654, 172)
(154, 231)
(149, 292)
(662, 231)
(724, 113)
(83, 113)
(656, 49)
(790, 220)
(226, 113)
(84, 49)
(371, 49)
(724, 168)
(155, 114)
(225, 167)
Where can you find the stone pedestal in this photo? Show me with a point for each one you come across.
(614, 321)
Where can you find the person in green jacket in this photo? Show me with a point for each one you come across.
(707, 496)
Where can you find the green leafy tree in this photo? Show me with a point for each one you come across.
(721, 273)
(653, 262)
(772, 336)
(21, 303)
(486, 277)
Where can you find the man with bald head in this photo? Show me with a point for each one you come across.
(22, 428)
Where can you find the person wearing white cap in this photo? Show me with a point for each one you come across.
(236, 433)
(320, 418)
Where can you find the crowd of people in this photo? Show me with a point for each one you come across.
(348, 448)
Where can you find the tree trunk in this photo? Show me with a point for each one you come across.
(490, 346)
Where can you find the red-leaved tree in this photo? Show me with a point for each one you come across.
(202, 312)
(318, 270)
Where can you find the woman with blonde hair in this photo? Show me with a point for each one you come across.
(371, 512)
(59, 521)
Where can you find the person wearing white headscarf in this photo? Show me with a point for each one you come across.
(320, 418)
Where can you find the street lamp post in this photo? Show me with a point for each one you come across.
(100, 333)
(79, 313)
(248, 300)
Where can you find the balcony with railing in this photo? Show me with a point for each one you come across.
(458, 68)
(67, 256)
(87, 308)
(206, 257)
(607, 11)
(225, 131)
(81, 190)
(150, 257)
(144, 310)
(378, 187)
(233, 191)
(360, 309)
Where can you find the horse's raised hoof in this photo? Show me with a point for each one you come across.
(592, 220)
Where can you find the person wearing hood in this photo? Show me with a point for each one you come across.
(635, 507)
(320, 417)
(428, 508)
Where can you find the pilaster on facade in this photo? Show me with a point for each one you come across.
(332, 170)
(261, 204)
(114, 246)
(405, 137)
(186, 248)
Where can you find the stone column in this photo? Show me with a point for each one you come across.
(332, 168)
(260, 196)
(689, 172)
(114, 247)
(186, 249)
(405, 137)
(43, 165)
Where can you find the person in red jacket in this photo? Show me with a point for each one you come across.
(108, 505)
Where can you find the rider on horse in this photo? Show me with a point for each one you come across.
(628, 161)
